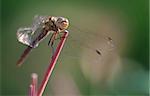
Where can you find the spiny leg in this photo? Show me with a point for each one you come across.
(53, 50)
(50, 39)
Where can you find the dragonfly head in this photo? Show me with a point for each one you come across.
(62, 23)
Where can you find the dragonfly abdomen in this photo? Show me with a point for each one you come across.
(24, 55)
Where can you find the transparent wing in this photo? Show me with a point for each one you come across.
(28, 35)
(94, 44)
(24, 36)
(38, 22)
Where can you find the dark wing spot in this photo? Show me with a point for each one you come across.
(98, 52)
(109, 38)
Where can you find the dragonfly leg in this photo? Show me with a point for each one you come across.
(50, 39)
(53, 50)
(60, 36)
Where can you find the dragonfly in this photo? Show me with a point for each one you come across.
(44, 25)
(41, 28)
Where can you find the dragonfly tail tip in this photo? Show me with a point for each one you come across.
(18, 64)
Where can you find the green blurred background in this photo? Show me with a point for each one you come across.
(126, 74)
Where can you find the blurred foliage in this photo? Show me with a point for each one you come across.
(17, 13)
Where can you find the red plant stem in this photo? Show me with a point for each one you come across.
(52, 64)
(33, 85)
(31, 90)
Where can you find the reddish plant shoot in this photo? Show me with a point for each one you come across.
(33, 85)
(52, 64)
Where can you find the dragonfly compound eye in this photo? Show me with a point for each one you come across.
(62, 23)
